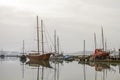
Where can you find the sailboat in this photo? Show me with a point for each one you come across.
(23, 56)
(38, 56)
(101, 53)
(57, 55)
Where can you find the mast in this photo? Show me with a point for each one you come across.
(42, 37)
(103, 49)
(84, 48)
(55, 41)
(38, 45)
(105, 45)
(84, 60)
(102, 38)
(23, 48)
(58, 44)
(95, 40)
(23, 62)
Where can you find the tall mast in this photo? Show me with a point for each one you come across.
(23, 48)
(58, 44)
(84, 48)
(42, 41)
(55, 41)
(42, 37)
(103, 49)
(84, 60)
(95, 41)
(105, 45)
(102, 38)
(38, 45)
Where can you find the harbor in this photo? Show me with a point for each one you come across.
(59, 40)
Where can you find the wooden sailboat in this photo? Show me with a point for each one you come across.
(38, 56)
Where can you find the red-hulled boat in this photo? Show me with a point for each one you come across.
(100, 53)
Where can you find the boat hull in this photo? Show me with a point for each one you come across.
(39, 56)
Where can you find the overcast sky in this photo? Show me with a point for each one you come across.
(74, 21)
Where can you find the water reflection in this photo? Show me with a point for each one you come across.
(2, 59)
(42, 65)
(23, 61)
(100, 66)
(57, 70)
(39, 65)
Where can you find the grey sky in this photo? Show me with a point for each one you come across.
(74, 20)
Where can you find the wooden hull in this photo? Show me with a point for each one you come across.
(39, 56)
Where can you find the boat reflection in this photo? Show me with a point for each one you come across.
(23, 62)
(99, 66)
(38, 63)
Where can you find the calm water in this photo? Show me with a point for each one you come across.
(14, 69)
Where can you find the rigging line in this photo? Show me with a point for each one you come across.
(45, 35)
(49, 46)
(50, 39)
(49, 36)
